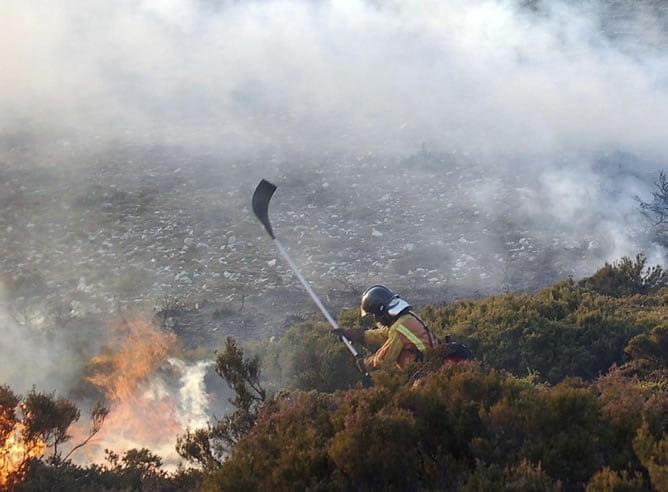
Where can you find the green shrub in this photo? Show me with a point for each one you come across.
(308, 357)
(627, 277)
(562, 331)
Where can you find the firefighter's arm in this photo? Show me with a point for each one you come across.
(388, 354)
(377, 336)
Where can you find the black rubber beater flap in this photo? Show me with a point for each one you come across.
(261, 198)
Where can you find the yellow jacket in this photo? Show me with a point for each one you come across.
(400, 343)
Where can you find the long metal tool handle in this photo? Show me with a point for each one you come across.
(315, 297)
(260, 203)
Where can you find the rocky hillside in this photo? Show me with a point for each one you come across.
(169, 230)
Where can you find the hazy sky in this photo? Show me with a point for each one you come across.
(474, 75)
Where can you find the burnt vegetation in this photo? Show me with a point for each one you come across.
(568, 392)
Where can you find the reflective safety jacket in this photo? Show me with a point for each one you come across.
(400, 344)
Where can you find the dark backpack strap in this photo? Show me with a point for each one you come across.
(431, 336)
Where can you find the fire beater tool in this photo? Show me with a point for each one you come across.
(261, 198)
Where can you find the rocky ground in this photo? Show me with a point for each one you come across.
(162, 230)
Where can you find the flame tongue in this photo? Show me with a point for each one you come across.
(144, 384)
(136, 352)
(15, 452)
(143, 412)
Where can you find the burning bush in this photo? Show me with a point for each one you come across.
(28, 428)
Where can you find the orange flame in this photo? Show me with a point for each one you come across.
(142, 411)
(136, 352)
(15, 452)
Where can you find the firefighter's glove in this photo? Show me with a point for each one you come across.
(339, 332)
(352, 334)
(359, 362)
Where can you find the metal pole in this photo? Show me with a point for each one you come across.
(314, 296)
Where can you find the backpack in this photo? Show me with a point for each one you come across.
(457, 352)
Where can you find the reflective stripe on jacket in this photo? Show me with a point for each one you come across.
(399, 343)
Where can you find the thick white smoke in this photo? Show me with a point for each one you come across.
(483, 76)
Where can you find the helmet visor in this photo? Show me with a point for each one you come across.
(396, 305)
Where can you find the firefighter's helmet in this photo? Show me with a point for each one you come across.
(381, 301)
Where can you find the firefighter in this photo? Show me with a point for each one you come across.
(401, 335)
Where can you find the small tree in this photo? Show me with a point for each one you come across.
(46, 419)
(656, 211)
(209, 446)
(627, 277)
(30, 426)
